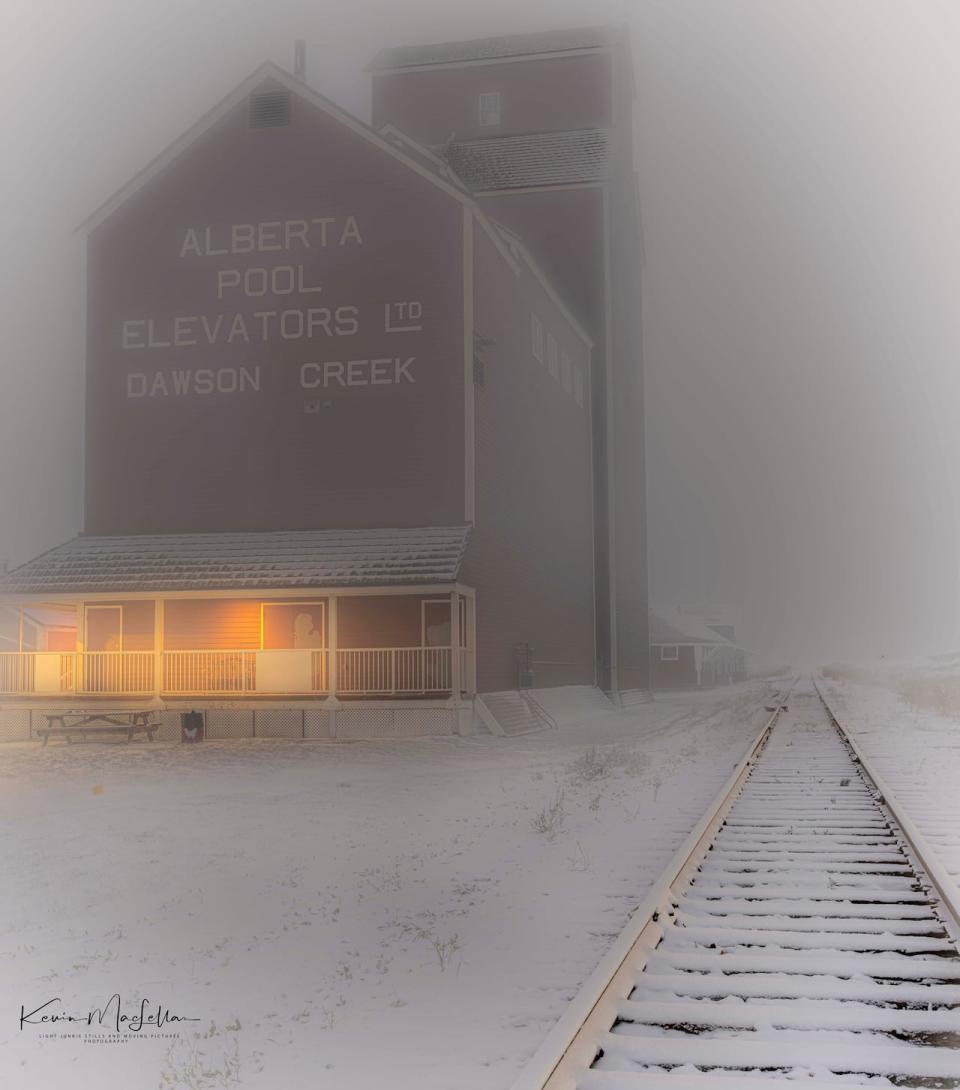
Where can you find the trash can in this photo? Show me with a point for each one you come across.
(191, 726)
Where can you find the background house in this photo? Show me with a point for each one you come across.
(693, 647)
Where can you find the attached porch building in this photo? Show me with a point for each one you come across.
(309, 615)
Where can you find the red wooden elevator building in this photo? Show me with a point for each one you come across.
(363, 407)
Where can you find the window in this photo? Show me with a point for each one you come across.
(669, 654)
(435, 622)
(578, 386)
(552, 365)
(488, 108)
(536, 334)
(104, 628)
(292, 625)
(566, 372)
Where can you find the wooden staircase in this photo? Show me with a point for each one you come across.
(510, 713)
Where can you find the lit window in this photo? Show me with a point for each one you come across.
(552, 364)
(578, 386)
(566, 372)
(536, 335)
(669, 654)
(488, 108)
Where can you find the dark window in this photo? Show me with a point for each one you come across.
(488, 108)
(269, 108)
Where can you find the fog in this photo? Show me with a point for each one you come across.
(799, 177)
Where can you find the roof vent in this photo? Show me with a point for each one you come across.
(269, 109)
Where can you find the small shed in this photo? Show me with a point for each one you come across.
(688, 653)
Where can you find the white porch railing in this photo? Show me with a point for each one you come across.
(114, 672)
(221, 673)
(236, 673)
(108, 673)
(383, 671)
(16, 672)
(365, 671)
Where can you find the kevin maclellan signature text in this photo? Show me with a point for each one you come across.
(110, 1013)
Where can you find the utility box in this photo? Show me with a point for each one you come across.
(191, 727)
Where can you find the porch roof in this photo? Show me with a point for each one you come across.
(305, 558)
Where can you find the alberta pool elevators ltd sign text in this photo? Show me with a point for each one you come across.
(277, 300)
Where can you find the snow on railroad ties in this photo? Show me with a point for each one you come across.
(806, 992)
(906, 719)
(338, 915)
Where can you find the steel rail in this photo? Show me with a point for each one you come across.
(570, 1044)
(886, 896)
(945, 886)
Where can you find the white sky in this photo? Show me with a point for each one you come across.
(800, 179)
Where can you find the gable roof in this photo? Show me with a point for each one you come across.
(391, 140)
(488, 49)
(305, 558)
(423, 154)
(533, 159)
(425, 165)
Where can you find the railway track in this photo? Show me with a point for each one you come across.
(804, 932)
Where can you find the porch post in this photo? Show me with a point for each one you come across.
(332, 647)
(21, 664)
(80, 648)
(158, 647)
(456, 682)
(471, 686)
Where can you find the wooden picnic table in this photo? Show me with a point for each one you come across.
(86, 724)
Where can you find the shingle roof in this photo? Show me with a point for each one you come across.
(308, 558)
(543, 158)
(670, 626)
(427, 158)
(480, 49)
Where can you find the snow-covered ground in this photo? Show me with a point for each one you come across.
(906, 718)
(413, 914)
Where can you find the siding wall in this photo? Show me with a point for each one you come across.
(677, 673)
(197, 624)
(531, 553)
(573, 260)
(535, 96)
(62, 639)
(379, 622)
(725, 666)
(366, 449)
